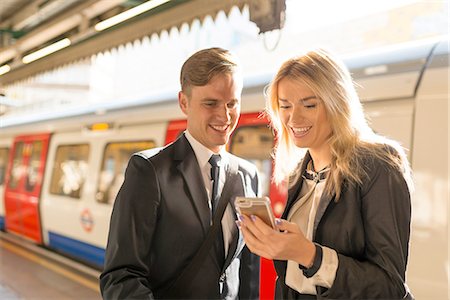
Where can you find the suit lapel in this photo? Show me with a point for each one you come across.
(294, 191)
(237, 242)
(325, 200)
(188, 167)
(238, 189)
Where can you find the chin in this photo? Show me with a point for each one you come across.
(222, 138)
(300, 145)
(220, 143)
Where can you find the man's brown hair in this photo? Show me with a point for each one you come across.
(203, 65)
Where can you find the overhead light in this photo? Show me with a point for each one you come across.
(46, 51)
(4, 69)
(375, 70)
(137, 10)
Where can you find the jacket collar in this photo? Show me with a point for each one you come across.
(188, 166)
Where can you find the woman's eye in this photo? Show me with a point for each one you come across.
(311, 106)
(283, 105)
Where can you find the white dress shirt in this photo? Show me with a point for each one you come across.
(303, 214)
(203, 155)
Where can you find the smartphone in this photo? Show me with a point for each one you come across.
(256, 206)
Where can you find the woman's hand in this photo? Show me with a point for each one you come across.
(286, 242)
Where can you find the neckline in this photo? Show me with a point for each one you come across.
(310, 174)
(310, 167)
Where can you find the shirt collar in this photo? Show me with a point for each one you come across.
(202, 153)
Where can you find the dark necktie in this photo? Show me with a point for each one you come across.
(215, 171)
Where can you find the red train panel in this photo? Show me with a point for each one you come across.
(23, 185)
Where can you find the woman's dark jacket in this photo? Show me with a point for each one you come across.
(369, 227)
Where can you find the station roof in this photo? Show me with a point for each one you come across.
(29, 26)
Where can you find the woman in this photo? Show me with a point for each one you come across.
(345, 231)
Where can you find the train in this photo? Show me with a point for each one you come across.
(59, 173)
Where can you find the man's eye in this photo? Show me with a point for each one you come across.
(284, 106)
(232, 104)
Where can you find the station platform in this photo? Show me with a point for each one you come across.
(25, 274)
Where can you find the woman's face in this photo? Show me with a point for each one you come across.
(303, 115)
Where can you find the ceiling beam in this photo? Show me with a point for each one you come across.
(64, 22)
(185, 12)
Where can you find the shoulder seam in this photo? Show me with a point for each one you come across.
(148, 153)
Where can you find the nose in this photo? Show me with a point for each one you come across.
(297, 114)
(224, 113)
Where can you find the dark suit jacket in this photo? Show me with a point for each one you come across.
(369, 227)
(159, 221)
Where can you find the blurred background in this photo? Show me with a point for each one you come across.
(86, 83)
(144, 55)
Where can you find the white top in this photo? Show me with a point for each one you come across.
(203, 155)
(303, 214)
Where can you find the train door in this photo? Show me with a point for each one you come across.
(4, 158)
(23, 185)
(428, 267)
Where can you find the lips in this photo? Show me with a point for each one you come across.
(300, 131)
(220, 128)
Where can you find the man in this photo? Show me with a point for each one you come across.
(168, 201)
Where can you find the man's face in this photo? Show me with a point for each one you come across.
(213, 110)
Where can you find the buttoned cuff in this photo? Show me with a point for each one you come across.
(309, 272)
(326, 274)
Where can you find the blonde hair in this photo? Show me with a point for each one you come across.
(203, 65)
(351, 138)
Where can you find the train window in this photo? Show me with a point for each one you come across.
(4, 152)
(115, 160)
(32, 175)
(255, 143)
(18, 166)
(69, 170)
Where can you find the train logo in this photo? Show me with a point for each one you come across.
(87, 221)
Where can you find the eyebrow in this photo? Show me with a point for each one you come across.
(301, 99)
(214, 99)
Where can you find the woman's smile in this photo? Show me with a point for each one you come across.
(300, 131)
